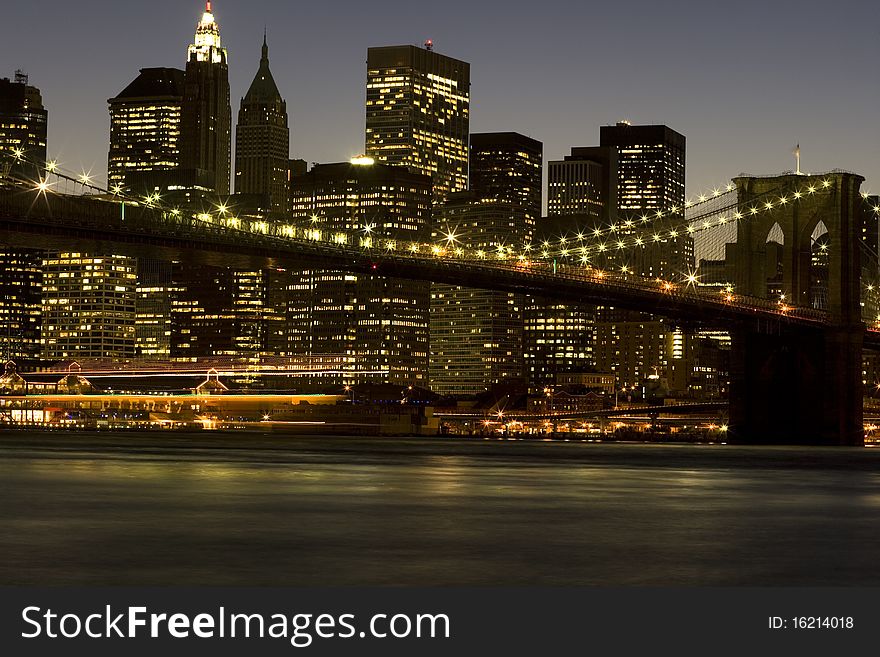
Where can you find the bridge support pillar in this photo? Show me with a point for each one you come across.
(799, 388)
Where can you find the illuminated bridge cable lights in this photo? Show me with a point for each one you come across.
(274, 236)
(579, 254)
(640, 239)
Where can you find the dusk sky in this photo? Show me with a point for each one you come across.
(744, 81)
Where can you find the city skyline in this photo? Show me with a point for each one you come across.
(768, 100)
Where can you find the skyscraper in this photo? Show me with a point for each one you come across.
(418, 109)
(145, 125)
(507, 167)
(476, 335)
(650, 179)
(23, 121)
(206, 119)
(380, 324)
(262, 140)
(558, 337)
(219, 311)
(583, 184)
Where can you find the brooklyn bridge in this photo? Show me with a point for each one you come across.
(800, 314)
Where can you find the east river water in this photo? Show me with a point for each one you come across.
(252, 509)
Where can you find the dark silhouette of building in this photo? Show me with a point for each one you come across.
(206, 119)
(380, 324)
(507, 167)
(262, 140)
(23, 121)
(145, 125)
(418, 113)
(584, 185)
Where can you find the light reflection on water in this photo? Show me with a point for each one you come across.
(108, 510)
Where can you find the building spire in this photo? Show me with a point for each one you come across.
(207, 47)
(265, 46)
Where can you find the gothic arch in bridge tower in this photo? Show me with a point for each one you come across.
(776, 235)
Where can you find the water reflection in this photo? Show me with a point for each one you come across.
(107, 509)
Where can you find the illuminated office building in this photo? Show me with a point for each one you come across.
(88, 306)
(558, 337)
(219, 311)
(262, 140)
(417, 113)
(145, 146)
(380, 324)
(651, 179)
(23, 121)
(206, 118)
(145, 125)
(153, 302)
(583, 184)
(21, 280)
(476, 335)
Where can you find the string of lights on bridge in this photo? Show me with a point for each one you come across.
(578, 249)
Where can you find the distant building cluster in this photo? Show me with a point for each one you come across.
(423, 176)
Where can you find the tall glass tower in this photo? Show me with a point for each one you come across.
(418, 109)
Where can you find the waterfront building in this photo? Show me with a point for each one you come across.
(88, 306)
(650, 180)
(476, 335)
(380, 323)
(418, 113)
(220, 311)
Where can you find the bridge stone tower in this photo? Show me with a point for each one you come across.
(803, 385)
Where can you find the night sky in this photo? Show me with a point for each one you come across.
(744, 81)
